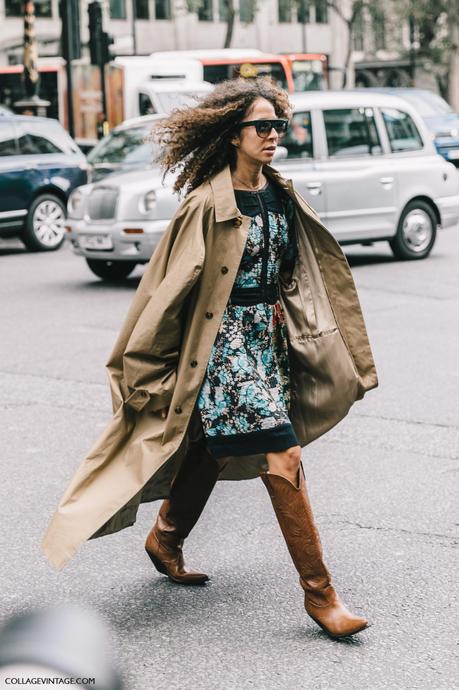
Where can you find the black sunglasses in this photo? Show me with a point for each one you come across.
(264, 127)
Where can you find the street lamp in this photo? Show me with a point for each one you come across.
(31, 104)
(133, 31)
(412, 26)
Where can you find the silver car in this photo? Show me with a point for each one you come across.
(364, 161)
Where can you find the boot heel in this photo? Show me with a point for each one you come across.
(157, 563)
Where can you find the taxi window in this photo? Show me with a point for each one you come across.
(351, 132)
(401, 130)
(298, 139)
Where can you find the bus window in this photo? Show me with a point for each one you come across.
(308, 75)
(275, 70)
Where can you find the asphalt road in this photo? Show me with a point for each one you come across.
(381, 483)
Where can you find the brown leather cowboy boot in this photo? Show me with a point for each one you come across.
(293, 511)
(179, 513)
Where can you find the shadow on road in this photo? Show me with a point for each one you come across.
(369, 259)
(99, 285)
(154, 602)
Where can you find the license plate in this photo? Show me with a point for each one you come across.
(96, 241)
(453, 155)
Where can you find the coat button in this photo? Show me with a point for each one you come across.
(209, 315)
(237, 222)
(193, 363)
(178, 409)
(224, 269)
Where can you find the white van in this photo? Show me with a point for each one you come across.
(151, 86)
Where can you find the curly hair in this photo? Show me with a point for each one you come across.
(197, 139)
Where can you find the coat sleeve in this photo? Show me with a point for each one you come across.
(142, 366)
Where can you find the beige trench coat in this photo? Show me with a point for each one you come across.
(173, 321)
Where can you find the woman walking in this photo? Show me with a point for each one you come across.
(283, 358)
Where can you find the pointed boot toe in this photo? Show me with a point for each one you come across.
(168, 560)
(336, 621)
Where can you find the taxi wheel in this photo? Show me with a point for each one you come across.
(111, 270)
(45, 224)
(416, 232)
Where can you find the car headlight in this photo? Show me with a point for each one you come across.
(75, 204)
(149, 201)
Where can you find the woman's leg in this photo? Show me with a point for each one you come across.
(285, 463)
(287, 489)
(179, 513)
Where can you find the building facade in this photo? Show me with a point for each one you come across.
(270, 25)
(385, 50)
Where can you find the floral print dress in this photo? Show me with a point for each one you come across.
(245, 396)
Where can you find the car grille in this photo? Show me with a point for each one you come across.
(102, 203)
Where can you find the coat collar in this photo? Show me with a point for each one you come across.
(223, 192)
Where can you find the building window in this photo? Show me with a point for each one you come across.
(378, 22)
(15, 8)
(321, 11)
(223, 10)
(163, 9)
(118, 9)
(206, 11)
(357, 32)
(303, 11)
(247, 11)
(141, 9)
(285, 10)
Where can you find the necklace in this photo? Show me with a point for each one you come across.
(252, 189)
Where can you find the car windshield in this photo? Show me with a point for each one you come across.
(126, 146)
(428, 104)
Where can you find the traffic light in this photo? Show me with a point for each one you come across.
(99, 40)
(95, 33)
(69, 11)
(107, 41)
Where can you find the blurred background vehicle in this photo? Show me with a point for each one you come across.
(40, 165)
(144, 85)
(126, 148)
(291, 71)
(364, 161)
(228, 63)
(439, 117)
(309, 71)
